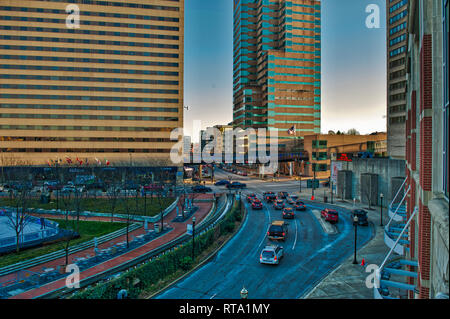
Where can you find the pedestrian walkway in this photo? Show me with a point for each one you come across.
(177, 230)
(348, 281)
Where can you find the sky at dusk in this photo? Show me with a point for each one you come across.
(353, 65)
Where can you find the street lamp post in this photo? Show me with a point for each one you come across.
(193, 238)
(355, 223)
(381, 209)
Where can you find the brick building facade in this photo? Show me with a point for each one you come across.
(427, 145)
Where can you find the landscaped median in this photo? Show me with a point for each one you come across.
(149, 278)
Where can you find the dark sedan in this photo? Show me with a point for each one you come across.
(362, 216)
(222, 182)
(236, 185)
(201, 189)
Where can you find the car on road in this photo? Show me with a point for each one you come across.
(251, 197)
(299, 205)
(201, 189)
(222, 182)
(269, 196)
(362, 216)
(271, 255)
(278, 204)
(236, 185)
(330, 215)
(256, 204)
(288, 212)
(278, 230)
(294, 197)
(290, 201)
(282, 195)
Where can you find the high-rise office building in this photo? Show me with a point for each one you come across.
(277, 56)
(397, 45)
(92, 80)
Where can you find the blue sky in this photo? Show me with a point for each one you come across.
(353, 65)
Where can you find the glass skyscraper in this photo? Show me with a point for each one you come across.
(277, 66)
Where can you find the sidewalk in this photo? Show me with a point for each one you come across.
(348, 281)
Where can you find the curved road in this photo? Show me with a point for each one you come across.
(310, 254)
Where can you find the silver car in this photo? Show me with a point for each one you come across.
(271, 255)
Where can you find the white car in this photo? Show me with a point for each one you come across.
(271, 255)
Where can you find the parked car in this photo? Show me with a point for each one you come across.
(330, 215)
(362, 216)
(278, 204)
(236, 185)
(256, 204)
(288, 212)
(271, 255)
(299, 205)
(201, 189)
(278, 230)
(222, 182)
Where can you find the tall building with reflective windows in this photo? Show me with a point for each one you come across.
(277, 66)
(111, 89)
(397, 46)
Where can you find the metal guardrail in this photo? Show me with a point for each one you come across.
(61, 253)
(205, 225)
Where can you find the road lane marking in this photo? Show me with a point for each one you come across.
(295, 241)
(212, 297)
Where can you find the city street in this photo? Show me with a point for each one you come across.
(310, 253)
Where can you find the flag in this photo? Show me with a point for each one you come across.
(291, 131)
(68, 160)
(98, 161)
(107, 162)
(49, 164)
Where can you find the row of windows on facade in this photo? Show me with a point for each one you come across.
(87, 60)
(87, 117)
(397, 120)
(398, 5)
(84, 88)
(397, 108)
(92, 13)
(89, 41)
(84, 128)
(89, 107)
(89, 51)
(397, 74)
(88, 70)
(122, 4)
(85, 79)
(90, 32)
(95, 23)
(85, 150)
(397, 62)
(84, 139)
(85, 98)
(397, 97)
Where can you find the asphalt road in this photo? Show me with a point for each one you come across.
(310, 253)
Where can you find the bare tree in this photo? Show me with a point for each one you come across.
(66, 199)
(18, 219)
(352, 131)
(113, 193)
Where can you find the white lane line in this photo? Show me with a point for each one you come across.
(212, 297)
(295, 241)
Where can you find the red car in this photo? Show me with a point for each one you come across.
(256, 204)
(330, 215)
